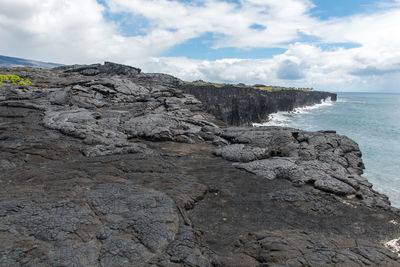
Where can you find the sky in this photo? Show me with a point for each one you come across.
(334, 45)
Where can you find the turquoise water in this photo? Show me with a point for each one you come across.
(370, 119)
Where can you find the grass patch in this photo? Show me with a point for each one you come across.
(14, 79)
(203, 83)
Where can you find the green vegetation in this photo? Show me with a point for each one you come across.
(280, 88)
(203, 83)
(14, 79)
(256, 86)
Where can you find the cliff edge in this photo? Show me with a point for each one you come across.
(242, 106)
(103, 165)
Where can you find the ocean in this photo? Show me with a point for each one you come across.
(370, 119)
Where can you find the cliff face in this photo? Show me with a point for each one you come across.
(104, 165)
(240, 106)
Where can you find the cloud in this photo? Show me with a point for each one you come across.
(85, 31)
(38, 27)
(278, 22)
(73, 31)
(311, 67)
(373, 71)
(289, 70)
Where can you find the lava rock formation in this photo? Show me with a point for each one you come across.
(103, 165)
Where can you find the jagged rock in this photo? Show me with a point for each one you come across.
(108, 68)
(241, 152)
(103, 165)
(330, 162)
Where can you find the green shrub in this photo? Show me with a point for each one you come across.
(242, 85)
(14, 79)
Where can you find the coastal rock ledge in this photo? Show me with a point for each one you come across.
(243, 105)
(103, 165)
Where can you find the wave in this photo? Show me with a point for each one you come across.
(282, 118)
(307, 109)
(350, 101)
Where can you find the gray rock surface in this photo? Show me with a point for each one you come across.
(301, 248)
(329, 162)
(103, 165)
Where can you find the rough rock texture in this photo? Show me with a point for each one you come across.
(325, 160)
(241, 106)
(103, 165)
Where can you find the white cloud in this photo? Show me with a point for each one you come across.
(76, 31)
(231, 23)
(311, 67)
(72, 31)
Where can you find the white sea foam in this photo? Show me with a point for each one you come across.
(306, 109)
(350, 101)
(282, 118)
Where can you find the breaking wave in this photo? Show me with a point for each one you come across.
(282, 118)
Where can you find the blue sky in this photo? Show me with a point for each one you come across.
(341, 45)
(326, 9)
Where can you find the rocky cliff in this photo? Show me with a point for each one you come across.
(240, 106)
(104, 165)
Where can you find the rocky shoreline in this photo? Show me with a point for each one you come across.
(103, 165)
(240, 106)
